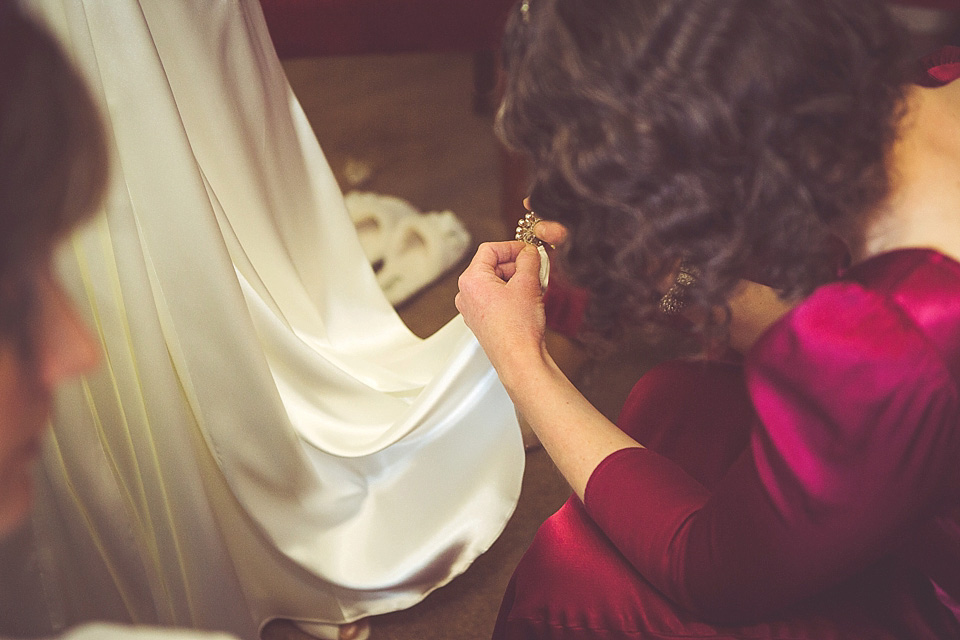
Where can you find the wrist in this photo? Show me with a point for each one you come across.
(525, 372)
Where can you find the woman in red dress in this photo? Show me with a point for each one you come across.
(812, 491)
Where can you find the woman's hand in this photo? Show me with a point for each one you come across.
(500, 301)
(553, 233)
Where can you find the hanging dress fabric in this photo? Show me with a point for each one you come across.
(264, 437)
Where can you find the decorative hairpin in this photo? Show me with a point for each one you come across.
(525, 232)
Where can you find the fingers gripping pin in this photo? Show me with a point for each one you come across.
(525, 233)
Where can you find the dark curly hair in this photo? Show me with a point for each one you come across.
(53, 160)
(738, 135)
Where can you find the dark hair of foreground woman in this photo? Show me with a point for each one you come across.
(53, 160)
(739, 136)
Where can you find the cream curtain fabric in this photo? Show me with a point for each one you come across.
(264, 437)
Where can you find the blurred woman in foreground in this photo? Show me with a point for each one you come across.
(53, 170)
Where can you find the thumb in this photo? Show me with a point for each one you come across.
(553, 233)
(528, 263)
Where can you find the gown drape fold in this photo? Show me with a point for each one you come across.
(264, 437)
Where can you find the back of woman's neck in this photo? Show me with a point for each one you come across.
(923, 208)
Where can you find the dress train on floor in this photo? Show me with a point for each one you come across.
(264, 438)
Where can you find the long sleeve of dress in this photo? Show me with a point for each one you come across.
(854, 448)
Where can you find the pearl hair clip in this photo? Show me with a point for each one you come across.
(525, 234)
(525, 227)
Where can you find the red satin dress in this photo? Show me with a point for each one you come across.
(812, 492)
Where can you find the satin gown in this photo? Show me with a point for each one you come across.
(264, 437)
(810, 493)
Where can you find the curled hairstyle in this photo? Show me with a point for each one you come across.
(53, 159)
(738, 135)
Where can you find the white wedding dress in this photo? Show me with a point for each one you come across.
(264, 437)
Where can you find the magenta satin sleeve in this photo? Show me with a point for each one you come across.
(855, 408)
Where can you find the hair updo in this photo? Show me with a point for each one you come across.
(737, 135)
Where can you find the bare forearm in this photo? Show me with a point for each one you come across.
(500, 299)
(574, 433)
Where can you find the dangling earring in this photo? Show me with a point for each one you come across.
(675, 298)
